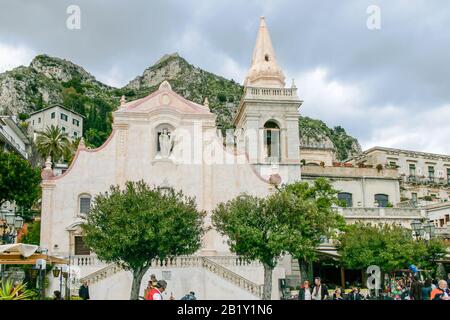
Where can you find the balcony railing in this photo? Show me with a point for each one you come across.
(427, 180)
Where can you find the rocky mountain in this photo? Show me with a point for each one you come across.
(48, 80)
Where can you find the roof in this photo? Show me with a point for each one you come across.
(264, 70)
(408, 152)
(57, 106)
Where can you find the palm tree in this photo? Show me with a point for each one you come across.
(53, 142)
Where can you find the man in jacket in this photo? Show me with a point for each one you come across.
(441, 292)
(320, 290)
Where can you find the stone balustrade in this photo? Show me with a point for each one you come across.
(85, 260)
(187, 262)
(390, 213)
(279, 93)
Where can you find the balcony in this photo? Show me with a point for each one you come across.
(431, 181)
(11, 142)
(345, 171)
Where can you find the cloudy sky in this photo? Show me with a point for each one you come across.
(388, 86)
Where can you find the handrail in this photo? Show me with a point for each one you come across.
(233, 277)
(183, 262)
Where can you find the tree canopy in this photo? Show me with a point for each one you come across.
(19, 181)
(391, 247)
(252, 230)
(140, 223)
(53, 142)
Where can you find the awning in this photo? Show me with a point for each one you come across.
(20, 253)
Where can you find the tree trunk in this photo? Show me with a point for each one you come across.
(138, 274)
(267, 292)
(304, 270)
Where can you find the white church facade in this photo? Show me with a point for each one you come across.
(169, 141)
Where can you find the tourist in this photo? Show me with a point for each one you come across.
(337, 295)
(426, 289)
(83, 292)
(57, 295)
(416, 289)
(355, 294)
(320, 291)
(305, 291)
(448, 278)
(441, 292)
(151, 284)
(190, 296)
(156, 292)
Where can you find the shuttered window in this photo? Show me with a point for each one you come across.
(80, 247)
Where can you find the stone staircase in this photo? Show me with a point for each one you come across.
(214, 264)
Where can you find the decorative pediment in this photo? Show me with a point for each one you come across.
(164, 99)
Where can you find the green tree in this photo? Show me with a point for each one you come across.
(33, 234)
(251, 226)
(133, 226)
(391, 247)
(19, 181)
(53, 142)
(306, 216)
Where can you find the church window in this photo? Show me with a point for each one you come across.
(382, 200)
(346, 199)
(85, 203)
(266, 57)
(272, 141)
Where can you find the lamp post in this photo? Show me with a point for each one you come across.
(423, 230)
(11, 224)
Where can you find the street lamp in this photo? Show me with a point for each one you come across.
(420, 229)
(10, 225)
(429, 228)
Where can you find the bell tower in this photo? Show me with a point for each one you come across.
(267, 117)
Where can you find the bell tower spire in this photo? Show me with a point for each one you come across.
(266, 120)
(265, 71)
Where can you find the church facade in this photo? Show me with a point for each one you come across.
(171, 142)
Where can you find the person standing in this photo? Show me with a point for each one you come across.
(57, 295)
(305, 292)
(190, 296)
(426, 290)
(355, 294)
(320, 291)
(416, 289)
(441, 292)
(156, 293)
(83, 292)
(337, 295)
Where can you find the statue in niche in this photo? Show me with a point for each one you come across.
(165, 143)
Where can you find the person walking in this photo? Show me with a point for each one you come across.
(83, 292)
(426, 289)
(305, 292)
(441, 292)
(320, 290)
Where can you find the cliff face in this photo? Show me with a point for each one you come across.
(49, 80)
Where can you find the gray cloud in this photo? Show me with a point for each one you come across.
(402, 68)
